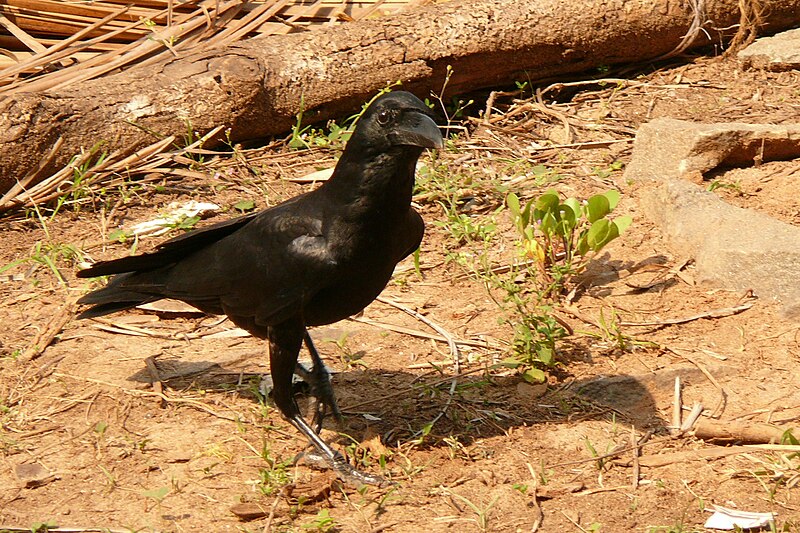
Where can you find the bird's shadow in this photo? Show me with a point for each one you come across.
(398, 406)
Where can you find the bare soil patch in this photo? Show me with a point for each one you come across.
(504, 455)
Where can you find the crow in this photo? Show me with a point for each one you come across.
(315, 259)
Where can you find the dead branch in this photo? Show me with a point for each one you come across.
(741, 431)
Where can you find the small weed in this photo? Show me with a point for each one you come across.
(456, 449)
(482, 514)
(456, 107)
(79, 190)
(604, 173)
(112, 481)
(334, 135)
(363, 455)
(521, 487)
(421, 434)
(191, 137)
(157, 495)
(781, 471)
(735, 187)
(155, 36)
(254, 386)
(592, 450)
(276, 475)
(43, 527)
(346, 355)
(323, 522)
(243, 206)
(557, 239)
(48, 253)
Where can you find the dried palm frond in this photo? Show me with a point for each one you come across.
(50, 44)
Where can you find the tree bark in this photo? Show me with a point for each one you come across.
(257, 87)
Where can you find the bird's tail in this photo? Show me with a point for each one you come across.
(112, 298)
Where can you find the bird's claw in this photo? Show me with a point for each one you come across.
(319, 380)
(347, 473)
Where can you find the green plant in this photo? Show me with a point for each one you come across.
(322, 522)
(275, 475)
(481, 514)
(49, 254)
(333, 135)
(557, 239)
(157, 495)
(156, 34)
(346, 354)
(735, 187)
(456, 107)
(439, 184)
(79, 190)
(243, 206)
(563, 236)
(43, 527)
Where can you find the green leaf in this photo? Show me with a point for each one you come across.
(597, 207)
(598, 234)
(583, 245)
(43, 527)
(526, 213)
(546, 203)
(548, 223)
(509, 362)
(534, 375)
(118, 235)
(575, 205)
(568, 215)
(545, 354)
(187, 223)
(613, 199)
(244, 205)
(623, 223)
(512, 201)
(789, 438)
(156, 494)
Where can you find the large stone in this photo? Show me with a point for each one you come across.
(779, 52)
(667, 148)
(733, 247)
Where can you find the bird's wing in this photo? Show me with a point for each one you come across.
(169, 251)
(260, 273)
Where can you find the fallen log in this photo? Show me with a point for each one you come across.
(257, 87)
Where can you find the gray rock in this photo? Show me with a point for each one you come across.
(667, 148)
(779, 52)
(734, 248)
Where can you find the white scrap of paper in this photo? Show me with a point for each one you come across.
(175, 215)
(729, 519)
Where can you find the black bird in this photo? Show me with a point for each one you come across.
(315, 259)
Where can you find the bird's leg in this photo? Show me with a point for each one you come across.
(319, 379)
(285, 340)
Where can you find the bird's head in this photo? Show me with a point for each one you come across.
(376, 170)
(397, 119)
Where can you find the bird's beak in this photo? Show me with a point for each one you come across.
(417, 129)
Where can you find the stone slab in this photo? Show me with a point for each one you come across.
(734, 248)
(779, 52)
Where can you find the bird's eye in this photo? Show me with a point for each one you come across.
(384, 117)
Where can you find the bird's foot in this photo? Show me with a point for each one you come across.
(319, 379)
(346, 472)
